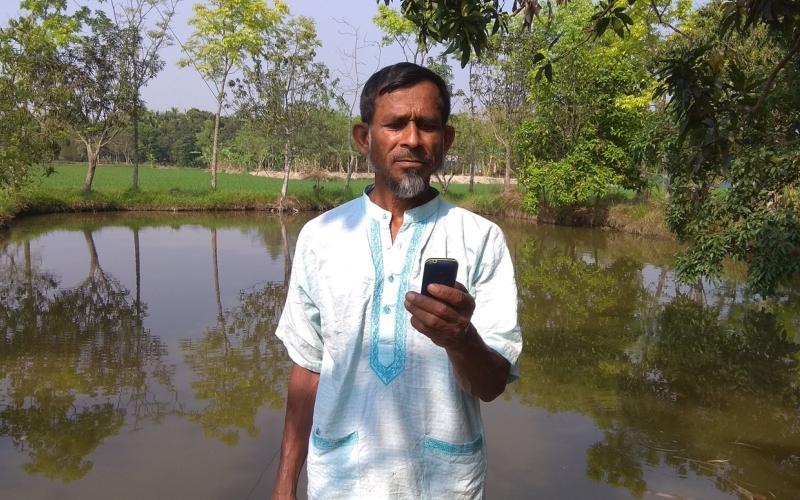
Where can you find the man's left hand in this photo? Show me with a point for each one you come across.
(444, 317)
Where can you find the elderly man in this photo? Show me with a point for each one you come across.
(384, 392)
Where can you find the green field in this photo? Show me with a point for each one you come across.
(189, 189)
(175, 180)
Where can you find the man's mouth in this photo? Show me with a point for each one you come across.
(411, 162)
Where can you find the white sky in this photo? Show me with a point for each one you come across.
(182, 88)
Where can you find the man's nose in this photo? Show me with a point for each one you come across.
(411, 137)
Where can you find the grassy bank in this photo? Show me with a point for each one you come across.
(623, 210)
(186, 189)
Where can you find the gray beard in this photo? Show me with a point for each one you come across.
(410, 186)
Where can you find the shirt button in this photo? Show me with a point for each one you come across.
(391, 278)
(387, 309)
(385, 216)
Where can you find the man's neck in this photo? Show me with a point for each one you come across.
(387, 200)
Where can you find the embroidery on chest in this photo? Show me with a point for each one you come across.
(397, 338)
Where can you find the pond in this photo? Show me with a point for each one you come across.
(138, 361)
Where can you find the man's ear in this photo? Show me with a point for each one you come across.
(361, 137)
(449, 137)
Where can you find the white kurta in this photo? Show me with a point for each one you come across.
(390, 420)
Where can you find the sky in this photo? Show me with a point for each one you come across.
(183, 88)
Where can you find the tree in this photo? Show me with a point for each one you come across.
(463, 26)
(731, 83)
(142, 42)
(352, 77)
(718, 105)
(224, 35)
(99, 96)
(581, 141)
(402, 32)
(31, 86)
(173, 137)
(499, 81)
(285, 87)
(474, 143)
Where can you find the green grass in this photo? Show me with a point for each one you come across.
(189, 189)
(179, 181)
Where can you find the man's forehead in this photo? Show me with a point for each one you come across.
(420, 98)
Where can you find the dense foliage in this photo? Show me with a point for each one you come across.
(30, 87)
(735, 165)
(581, 142)
(722, 127)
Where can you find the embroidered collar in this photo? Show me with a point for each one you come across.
(414, 215)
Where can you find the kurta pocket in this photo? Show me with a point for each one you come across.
(333, 468)
(454, 470)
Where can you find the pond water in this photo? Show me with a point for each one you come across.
(137, 360)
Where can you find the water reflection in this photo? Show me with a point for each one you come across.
(79, 364)
(240, 365)
(138, 338)
(74, 363)
(692, 378)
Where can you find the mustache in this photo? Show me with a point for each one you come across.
(410, 156)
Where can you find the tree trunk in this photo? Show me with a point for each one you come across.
(215, 270)
(94, 260)
(138, 269)
(472, 177)
(28, 270)
(287, 165)
(349, 175)
(213, 166)
(91, 156)
(287, 258)
(507, 177)
(135, 117)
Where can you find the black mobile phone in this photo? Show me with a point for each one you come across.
(442, 271)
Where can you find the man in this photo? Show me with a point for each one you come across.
(383, 395)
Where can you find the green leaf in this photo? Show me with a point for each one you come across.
(625, 18)
(601, 26)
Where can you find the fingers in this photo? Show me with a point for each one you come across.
(431, 312)
(445, 317)
(445, 327)
(457, 297)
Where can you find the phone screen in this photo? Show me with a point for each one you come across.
(439, 270)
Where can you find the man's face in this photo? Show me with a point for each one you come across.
(406, 141)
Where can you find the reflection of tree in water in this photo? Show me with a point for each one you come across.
(240, 365)
(74, 364)
(569, 306)
(712, 388)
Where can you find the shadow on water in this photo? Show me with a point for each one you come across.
(693, 378)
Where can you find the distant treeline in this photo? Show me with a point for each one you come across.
(183, 138)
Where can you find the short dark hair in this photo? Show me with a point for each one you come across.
(398, 76)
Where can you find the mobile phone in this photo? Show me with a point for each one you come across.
(442, 271)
